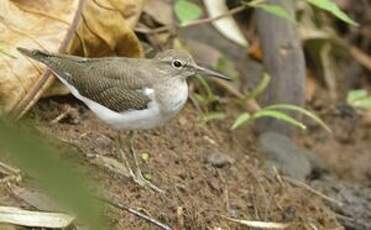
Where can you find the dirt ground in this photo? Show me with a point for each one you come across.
(199, 192)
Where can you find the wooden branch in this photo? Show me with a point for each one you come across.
(283, 61)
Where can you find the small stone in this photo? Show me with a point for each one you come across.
(219, 160)
(285, 155)
(182, 121)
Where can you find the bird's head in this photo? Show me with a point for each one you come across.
(180, 64)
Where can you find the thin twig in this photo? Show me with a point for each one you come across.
(61, 116)
(258, 224)
(13, 174)
(361, 57)
(192, 23)
(135, 212)
(7, 169)
(180, 217)
(310, 189)
(251, 105)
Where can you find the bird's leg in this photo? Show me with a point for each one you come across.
(139, 178)
(119, 146)
(138, 175)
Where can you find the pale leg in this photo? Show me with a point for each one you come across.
(137, 176)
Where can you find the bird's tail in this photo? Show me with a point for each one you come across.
(37, 55)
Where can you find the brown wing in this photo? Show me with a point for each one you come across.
(109, 84)
(116, 97)
(112, 82)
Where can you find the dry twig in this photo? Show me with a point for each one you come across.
(135, 212)
(361, 57)
(12, 174)
(258, 224)
(310, 189)
(190, 24)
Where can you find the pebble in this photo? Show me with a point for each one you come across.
(219, 160)
(286, 156)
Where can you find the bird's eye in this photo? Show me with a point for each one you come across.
(177, 64)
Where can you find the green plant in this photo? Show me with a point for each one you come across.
(331, 7)
(326, 5)
(359, 99)
(275, 111)
(187, 11)
(270, 8)
(204, 100)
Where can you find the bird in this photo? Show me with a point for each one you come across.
(127, 93)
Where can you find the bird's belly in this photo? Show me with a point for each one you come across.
(133, 119)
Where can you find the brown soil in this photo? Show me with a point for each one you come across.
(197, 193)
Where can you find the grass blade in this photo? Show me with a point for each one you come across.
(280, 116)
(243, 118)
(300, 110)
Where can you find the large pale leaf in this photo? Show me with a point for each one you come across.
(97, 28)
(33, 24)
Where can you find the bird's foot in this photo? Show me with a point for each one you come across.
(142, 181)
(137, 176)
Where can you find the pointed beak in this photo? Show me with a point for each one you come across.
(204, 71)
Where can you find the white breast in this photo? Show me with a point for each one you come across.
(172, 95)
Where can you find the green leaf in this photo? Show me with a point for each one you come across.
(214, 116)
(44, 163)
(334, 9)
(210, 95)
(263, 84)
(243, 118)
(199, 98)
(187, 11)
(280, 116)
(300, 110)
(275, 10)
(364, 103)
(355, 95)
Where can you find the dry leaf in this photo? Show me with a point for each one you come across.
(97, 28)
(160, 10)
(106, 29)
(17, 216)
(33, 24)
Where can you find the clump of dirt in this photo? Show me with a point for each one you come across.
(199, 192)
